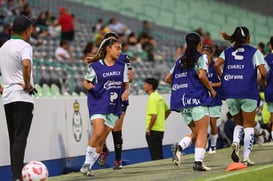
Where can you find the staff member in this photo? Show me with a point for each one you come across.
(16, 69)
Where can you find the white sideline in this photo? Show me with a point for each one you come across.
(237, 173)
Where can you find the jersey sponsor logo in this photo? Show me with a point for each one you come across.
(190, 101)
(113, 96)
(109, 74)
(233, 77)
(112, 85)
(179, 86)
(183, 74)
(236, 66)
(237, 54)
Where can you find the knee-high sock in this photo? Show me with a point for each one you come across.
(213, 139)
(237, 133)
(199, 154)
(89, 152)
(185, 142)
(248, 141)
(258, 128)
(93, 159)
(117, 136)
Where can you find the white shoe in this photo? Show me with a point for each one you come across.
(212, 150)
(248, 162)
(235, 152)
(266, 134)
(177, 155)
(261, 139)
(85, 168)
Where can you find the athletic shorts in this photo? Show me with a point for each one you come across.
(109, 119)
(194, 113)
(236, 105)
(270, 107)
(215, 111)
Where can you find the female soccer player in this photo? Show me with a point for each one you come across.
(240, 88)
(190, 96)
(108, 85)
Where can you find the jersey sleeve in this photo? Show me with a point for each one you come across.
(125, 74)
(202, 63)
(258, 58)
(91, 75)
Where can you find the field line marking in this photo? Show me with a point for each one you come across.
(237, 173)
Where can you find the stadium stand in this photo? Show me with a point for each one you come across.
(170, 20)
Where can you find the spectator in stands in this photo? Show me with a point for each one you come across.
(157, 111)
(207, 41)
(41, 25)
(148, 45)
(104, 71)
(11, 8)
(179, 51)
(53, 28)
(63, 52)
(215, 107)
(261, 47)
(200, 31)
(99, 24)
(98, 35)
(26, 10)
(5, 34)
(146, 28)
(239, 75)
(50, 20)
(268, 90)
(117, 27)
(191, 94)
(66, 22)
(117, 130)
(89, 50)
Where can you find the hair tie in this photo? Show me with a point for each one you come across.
(242, 32)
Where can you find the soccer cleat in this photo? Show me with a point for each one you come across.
(248, 162)
(117, 165)
(199, 166)
(85, 168)
(89, 172)
(261, 139)
(235, 152)
(177, 155)
(266, 134)
(212, 150)
(102, 159)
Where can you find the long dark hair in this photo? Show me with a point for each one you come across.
(189, 59)
(102, 50)
(239, 36)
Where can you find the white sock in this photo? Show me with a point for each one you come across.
(248, 141)
(272, 135)
(93, 159)
(88, 155)
(237, 133)
(185, 142)
(199, 154)
(258, 128)
(213, 139)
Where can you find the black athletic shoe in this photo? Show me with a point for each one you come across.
(199, 166)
